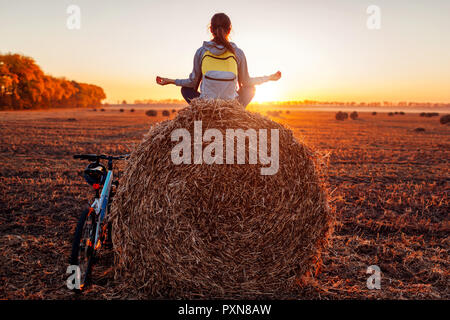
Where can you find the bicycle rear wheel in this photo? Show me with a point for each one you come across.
(83, 246)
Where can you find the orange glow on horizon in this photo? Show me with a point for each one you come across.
(336, 59)
(267, 92)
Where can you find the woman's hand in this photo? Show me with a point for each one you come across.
(276, 76)
(163, 81)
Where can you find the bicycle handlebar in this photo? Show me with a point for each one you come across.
(96, 157)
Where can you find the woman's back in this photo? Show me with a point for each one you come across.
(220, 69)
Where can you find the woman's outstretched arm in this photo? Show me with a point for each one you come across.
(164, 81)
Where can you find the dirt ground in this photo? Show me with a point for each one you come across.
(388, 183)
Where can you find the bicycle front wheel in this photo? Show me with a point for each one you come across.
(83, 246)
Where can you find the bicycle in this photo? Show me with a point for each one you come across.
(92, 231)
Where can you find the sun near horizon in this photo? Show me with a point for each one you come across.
(324, 49)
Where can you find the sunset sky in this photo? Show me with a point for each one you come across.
(323, 47)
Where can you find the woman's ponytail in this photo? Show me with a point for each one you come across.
(221, 28)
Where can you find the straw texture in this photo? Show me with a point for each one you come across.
(217, 231)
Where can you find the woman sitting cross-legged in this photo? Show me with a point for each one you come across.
(220, 68)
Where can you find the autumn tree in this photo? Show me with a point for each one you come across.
(23, 85)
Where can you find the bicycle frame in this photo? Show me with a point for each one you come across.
(92, 229)
(100, 205)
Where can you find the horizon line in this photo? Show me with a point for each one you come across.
(299, 102)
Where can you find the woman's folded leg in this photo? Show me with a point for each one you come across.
(246, 95)
(189, 94)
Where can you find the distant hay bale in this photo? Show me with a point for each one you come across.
(396, 112)
(174, 111)
(419, 129)
(218, 231)
(121, 110)
(274, 113)
(131, 110)
(374, 113)
(354, 115)
(166, 113)
(151, 113)
(401, 113)
(429, 114)
(390, 114)
(445, 119)
(71, 119)
(341, 116)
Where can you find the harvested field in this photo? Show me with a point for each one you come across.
(389, 186)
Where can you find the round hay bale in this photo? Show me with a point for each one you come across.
(166, 113)
(151, 113)
(445, 119)
(429, 114)
(354, 115)
(274, 113)
(218, 230)
(341, 115)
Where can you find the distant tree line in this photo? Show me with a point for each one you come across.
(23, 85)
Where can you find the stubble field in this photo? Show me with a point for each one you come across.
(388, 183)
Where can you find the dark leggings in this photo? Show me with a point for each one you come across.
(245, 94)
